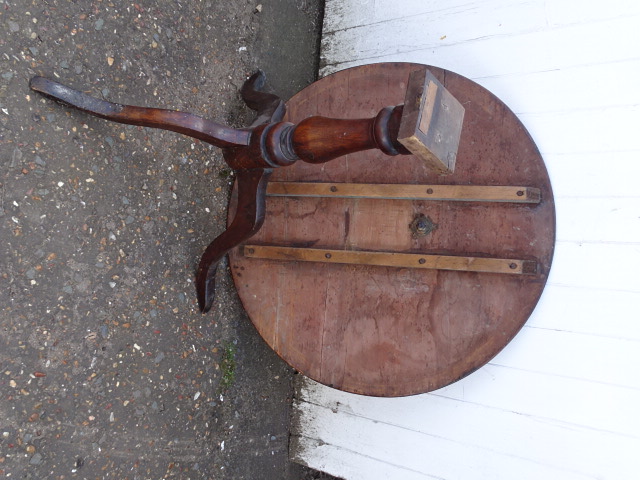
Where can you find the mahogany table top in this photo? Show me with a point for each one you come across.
(389, 331)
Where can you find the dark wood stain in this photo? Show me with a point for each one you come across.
(386, 331)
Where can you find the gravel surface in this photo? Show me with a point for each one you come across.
(107, 368)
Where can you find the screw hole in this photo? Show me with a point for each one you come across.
(513, 266)
(429, 191)
(520, 193)
(327, 255)
(422, 261)
(333, 188)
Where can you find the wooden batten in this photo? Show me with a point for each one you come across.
(393, 259)
(465, 193)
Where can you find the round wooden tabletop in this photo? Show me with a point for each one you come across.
(390, 331)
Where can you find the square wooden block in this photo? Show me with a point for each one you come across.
(431, 122)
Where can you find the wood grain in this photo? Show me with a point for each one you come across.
(462, 193)
(392, 259)
(431, 121)
(389, 331)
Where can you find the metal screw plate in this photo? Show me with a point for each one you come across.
(422, 225)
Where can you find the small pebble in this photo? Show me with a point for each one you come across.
(36, 459)
(99, 24)
(104, 331)
(16, 157)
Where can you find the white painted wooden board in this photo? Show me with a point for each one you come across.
(562, 400)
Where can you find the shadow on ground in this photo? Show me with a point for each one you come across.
(107, 369)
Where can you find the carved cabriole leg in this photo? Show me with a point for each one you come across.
(186, 123)
(252, 165)
(252, 186)
(252, 152)
(269, 107)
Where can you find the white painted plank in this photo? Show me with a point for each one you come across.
(578, 88)
(577, 402)
(585, 357)
(612, 220)
(586, 175)
(475, 397)
(590, 130)
(445, 26)
(538, 51)
(567, 12)
(341, 14)
(459, 11)
(549, 399)
(419, 451)
(345, 462)
(582, 450)
(597, 266)
(588, 311)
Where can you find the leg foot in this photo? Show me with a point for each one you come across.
(270, 107)
(252, 185)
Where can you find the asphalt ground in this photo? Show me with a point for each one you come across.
(107, 367)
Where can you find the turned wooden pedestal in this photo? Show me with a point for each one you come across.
(398, 330)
